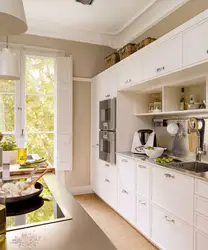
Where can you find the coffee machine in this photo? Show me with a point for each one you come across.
(143, 138)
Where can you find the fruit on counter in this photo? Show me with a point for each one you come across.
(34, 164)
(164, 160)
(150, 148)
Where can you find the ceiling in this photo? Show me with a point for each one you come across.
(98, 23)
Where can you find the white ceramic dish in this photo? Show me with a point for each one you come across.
(154, 153)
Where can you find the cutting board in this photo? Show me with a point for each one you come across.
(193, 135)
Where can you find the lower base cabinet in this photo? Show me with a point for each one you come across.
(170, 233)
(110, 192)
(127, 204)
(201, 241)
(143, 216)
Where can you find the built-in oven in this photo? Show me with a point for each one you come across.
(107, 134)
(108, 114)
(107, 144)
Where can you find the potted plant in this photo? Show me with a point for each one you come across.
(9, 148)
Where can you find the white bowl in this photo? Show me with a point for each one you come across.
(154, 153)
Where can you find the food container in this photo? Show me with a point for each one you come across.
(151, 107)
(127, 50)
(145, 42)
(154, 153)
(111, 59)
(157, 107)
(191, 106)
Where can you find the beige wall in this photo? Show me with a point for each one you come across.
(80, 175)
(180, 16)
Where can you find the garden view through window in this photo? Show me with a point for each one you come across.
(36, 98)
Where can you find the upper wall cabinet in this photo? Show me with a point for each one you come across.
(163, 58)
(195, 44)
(130, 70)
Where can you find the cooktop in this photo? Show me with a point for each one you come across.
(37, 211)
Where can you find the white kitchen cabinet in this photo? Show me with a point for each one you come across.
(163, 58)
(130, 70)
(143, 216)
(201, 241)
(201, 205)
(127, 204)
(201, 222)
(170, 233)
(174, 192)
(143, 180)
(127, 172)
(201, 188)
(195, 44)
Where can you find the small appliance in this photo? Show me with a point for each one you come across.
(143, 138)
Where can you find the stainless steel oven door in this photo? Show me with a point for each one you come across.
(108, 146)
(108, 114)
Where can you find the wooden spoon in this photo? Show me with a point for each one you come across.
(34, 181)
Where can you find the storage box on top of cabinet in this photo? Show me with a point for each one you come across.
(111, 59)
(127, 50)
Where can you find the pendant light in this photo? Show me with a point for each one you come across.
(9, 68)
(12, 18)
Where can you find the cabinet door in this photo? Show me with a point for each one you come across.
(130, 70)
(170, 233)
(97, 171)
(195, 44)
(173, 192)
(143, 216)
(127, 172)
(95, 112)
(201, 241)
(127, 205)
(163, 58)
(143, 180)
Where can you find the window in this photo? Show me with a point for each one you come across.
(39, 89)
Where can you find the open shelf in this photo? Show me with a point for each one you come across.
(184, 112)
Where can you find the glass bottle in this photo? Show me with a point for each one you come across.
(182, 100)
(2, 217)
(22, 151)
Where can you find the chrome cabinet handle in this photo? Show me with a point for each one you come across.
(160, 69)
(142, 202)
(124, 160)
(107, 165)
(140, 166)
(169, 176)
(107, 96)
(124, 191)
(172, 221)
(106, 180)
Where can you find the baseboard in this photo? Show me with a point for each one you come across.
(81, 190)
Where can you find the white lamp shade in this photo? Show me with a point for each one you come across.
(12, 18)
(9, 68)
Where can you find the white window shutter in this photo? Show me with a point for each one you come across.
(64, 114)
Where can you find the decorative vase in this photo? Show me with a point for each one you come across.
(10, 157)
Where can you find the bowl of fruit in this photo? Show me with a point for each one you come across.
(154, 152)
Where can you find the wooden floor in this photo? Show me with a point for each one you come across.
(122, 235)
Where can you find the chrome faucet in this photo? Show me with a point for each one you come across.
(200, 152)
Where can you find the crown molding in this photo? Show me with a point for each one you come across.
(148, 17)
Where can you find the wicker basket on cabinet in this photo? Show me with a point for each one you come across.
(145, 42)
(111, 59)
(127, 50)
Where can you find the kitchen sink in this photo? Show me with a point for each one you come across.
(198, 167)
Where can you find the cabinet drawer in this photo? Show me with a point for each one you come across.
(170, 233)
(111, 193)
(195, 44)
(201, 222)
(201, 205)
(143, 216)
(127, 204)
(143, 180)
(110, 171)
(174, 192)
(201, 241)
(127, 173)
(201, 188)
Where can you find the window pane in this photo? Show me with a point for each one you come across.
(40, 113)
(7, 103)
(41, 144)
(7, 86)
(39, 75)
